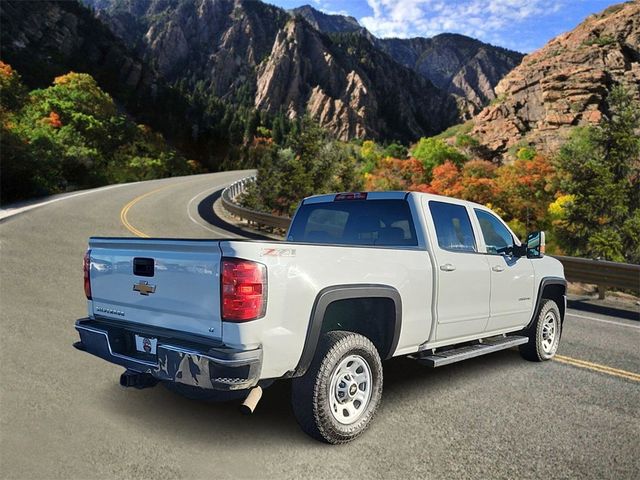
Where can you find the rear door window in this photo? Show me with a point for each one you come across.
(355, 222)
(453, 227)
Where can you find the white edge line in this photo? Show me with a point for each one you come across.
(604, 321)
(10, 212)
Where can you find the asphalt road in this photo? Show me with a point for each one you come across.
(63, 414)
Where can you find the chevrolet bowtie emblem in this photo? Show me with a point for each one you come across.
(144, 288)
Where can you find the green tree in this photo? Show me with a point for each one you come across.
(253, 121)
(396, 150)
(371, 153)
(12, 91)
(600, 170)
(71, 135)
(278, 129)
(433, 152)
(313, 163)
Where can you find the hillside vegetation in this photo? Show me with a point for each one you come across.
(587, 196)
(71, 135)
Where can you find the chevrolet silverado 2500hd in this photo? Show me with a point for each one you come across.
(361, 277)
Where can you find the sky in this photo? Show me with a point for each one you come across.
(522, 25)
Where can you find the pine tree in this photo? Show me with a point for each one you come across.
(601, 172)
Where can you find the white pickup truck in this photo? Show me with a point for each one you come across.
(362, 277)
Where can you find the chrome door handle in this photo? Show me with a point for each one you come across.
(497, 268)
(447, 267)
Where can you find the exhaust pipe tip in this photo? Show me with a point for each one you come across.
(249, 404)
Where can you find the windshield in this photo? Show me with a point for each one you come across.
(355, 222)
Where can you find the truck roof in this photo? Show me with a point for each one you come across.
(387, 195)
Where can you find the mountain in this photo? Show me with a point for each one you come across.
(349, 86)
(564, 84)
(255, 54)
(328, 23)
(217, 42)
(459, 65)
(46, 39)
(210, 63)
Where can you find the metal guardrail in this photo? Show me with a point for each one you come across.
(602, 273)
(229, 203)
(595, 272)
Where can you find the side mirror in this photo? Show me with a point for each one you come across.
(535, 245)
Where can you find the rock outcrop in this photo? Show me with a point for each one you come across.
(457, 64)
(307, 72)
(564, 84)
(247, 53)
(328, 23)
(255, 54)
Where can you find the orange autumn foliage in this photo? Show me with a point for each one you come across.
(479, 181)
(5, 69)
(446, 180)
(527, 188)
(53, 119)
(396, 174)
(66, 78)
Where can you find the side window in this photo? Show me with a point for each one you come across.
(453, 227)
(496, 236)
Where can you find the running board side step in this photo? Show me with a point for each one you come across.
(488, 345)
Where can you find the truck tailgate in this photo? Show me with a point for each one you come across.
(172, 284)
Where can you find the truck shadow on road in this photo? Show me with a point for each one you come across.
(206, 212)
(406, 383)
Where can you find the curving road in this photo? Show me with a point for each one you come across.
(63, 414)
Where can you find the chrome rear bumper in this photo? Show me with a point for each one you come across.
(191, 363)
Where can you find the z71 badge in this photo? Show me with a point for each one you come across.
(278, 252)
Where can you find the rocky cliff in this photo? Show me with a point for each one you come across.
(459, 65)
(217, 42)
(249, 54)
(328, 23)
(254, 54)
(348, 86)
(564, 84)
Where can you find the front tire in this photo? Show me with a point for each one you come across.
(544, 334)
(336, 399)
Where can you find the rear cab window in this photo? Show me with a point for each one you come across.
(355, 222)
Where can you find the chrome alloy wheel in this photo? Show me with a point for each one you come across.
(350, 389)
(549, 333)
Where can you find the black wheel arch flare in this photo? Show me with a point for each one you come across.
(558, 282)
(335, 293)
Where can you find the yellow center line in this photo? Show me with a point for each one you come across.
(596, 367)
(127, 207)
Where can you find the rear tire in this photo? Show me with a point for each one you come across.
(544, 333)
(336, 399)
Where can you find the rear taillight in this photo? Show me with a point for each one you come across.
(87, 270)
(244, 290)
